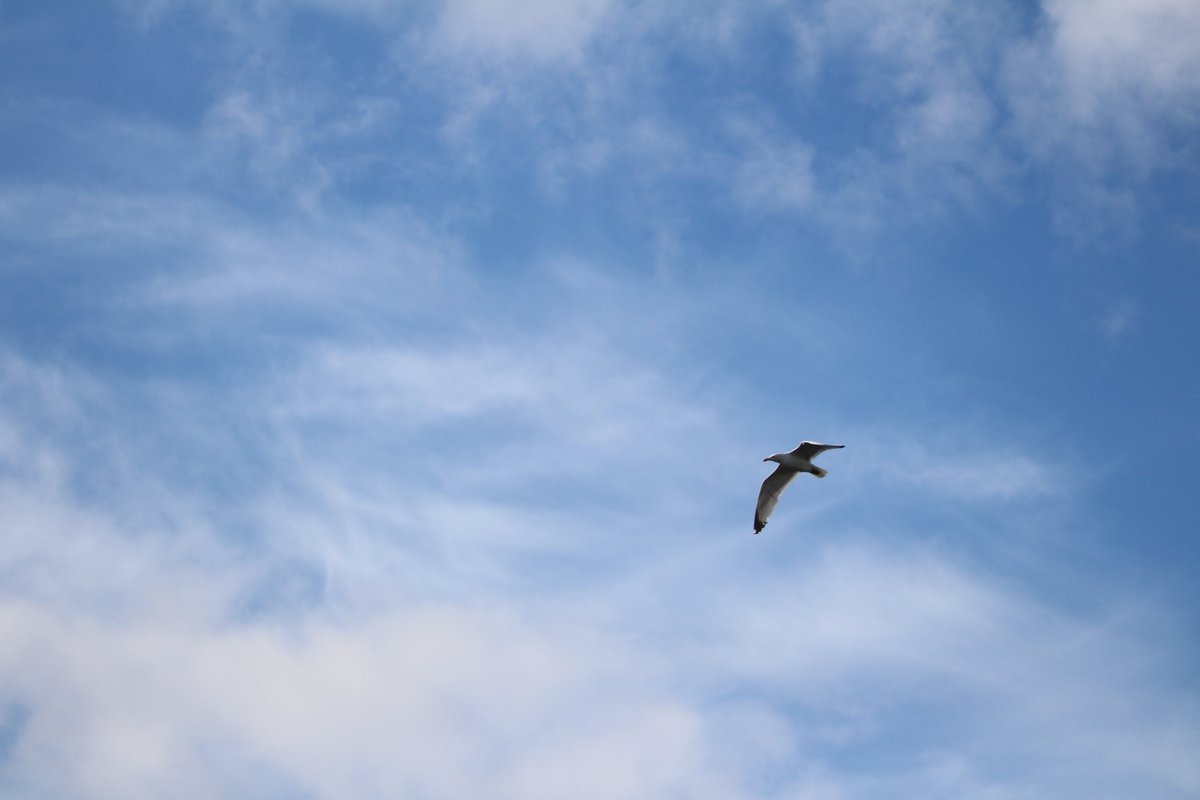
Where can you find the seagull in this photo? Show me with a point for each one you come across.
(790, 465)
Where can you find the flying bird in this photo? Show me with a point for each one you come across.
(790, 465)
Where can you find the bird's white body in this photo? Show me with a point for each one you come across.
(797, 464)
(790, 465)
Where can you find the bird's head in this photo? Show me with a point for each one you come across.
(774, 457)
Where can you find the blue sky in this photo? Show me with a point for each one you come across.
(384, 388)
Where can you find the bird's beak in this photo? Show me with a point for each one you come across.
(768, 458)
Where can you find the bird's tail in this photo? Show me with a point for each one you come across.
(820, 473)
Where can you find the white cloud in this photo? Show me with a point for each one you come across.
(520, 698)
(988, 475)
(1104, 95)
(926, 150)
(963, 100)
(1121, 56)
(538, 29)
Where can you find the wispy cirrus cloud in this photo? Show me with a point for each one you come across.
(377, 602)
(464, 698)
(962, 102)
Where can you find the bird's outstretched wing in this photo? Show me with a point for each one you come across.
(807, 450)
(768, 495)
